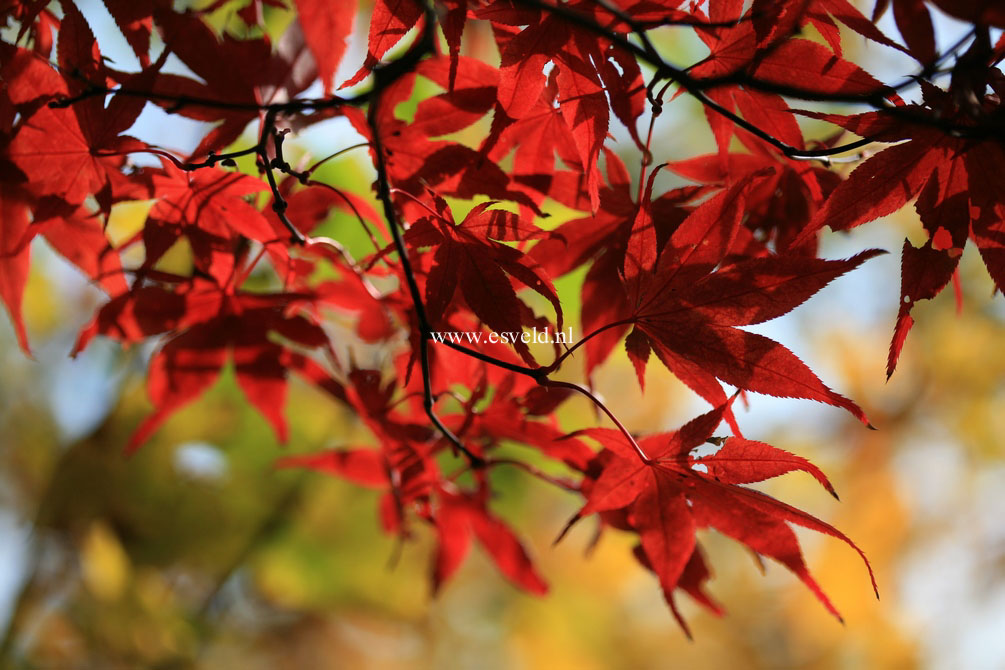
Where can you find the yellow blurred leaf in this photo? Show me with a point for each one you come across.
(178, 259)
(126, 219)
(104, 564)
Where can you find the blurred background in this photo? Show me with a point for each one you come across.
(197, 553)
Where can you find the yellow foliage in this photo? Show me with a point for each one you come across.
(105, 566)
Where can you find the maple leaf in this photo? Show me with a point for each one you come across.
(458, 518)
(15, 259)
(521, 76)
(79, 236)
(414, 159)
(210, 327)
(402, 467)
(602, 238)
(28, 83)
(975, 11)
(470, 258)
(361, 466)
(736, 50)
(585, 69)
(672, 495)
(535, 140)
(778, 19)
(506, 418)
(390, 20)
(916, 27)
(687, 311)
(785, 194)
(355, 294)
(74, 232)
(208, 207)
(72, 161)
(35, 20)
(957, 198)
(75, 151)
(135, 19)
(585, 112)
(326, 28)
(245, 73)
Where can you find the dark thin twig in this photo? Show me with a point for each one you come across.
(279, 203)
(352, 206)
(309, 171)
(424, 46)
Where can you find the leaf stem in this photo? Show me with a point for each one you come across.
(610, 415)
(568, 352)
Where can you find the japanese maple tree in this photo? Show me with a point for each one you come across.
(470, 155)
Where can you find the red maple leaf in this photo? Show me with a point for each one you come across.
(326, 27)
(601, 238)
(667, 498)
(687, 310)
(390, 21)
(784, 196)
(471, 259)
(587, 71)
(779, 19)
(810, 66)
(954, 181)
(403, 468)
(458, 517)
(246, 73)
(209, 208)
(15, 259)
(63, 158)
(208, 327)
